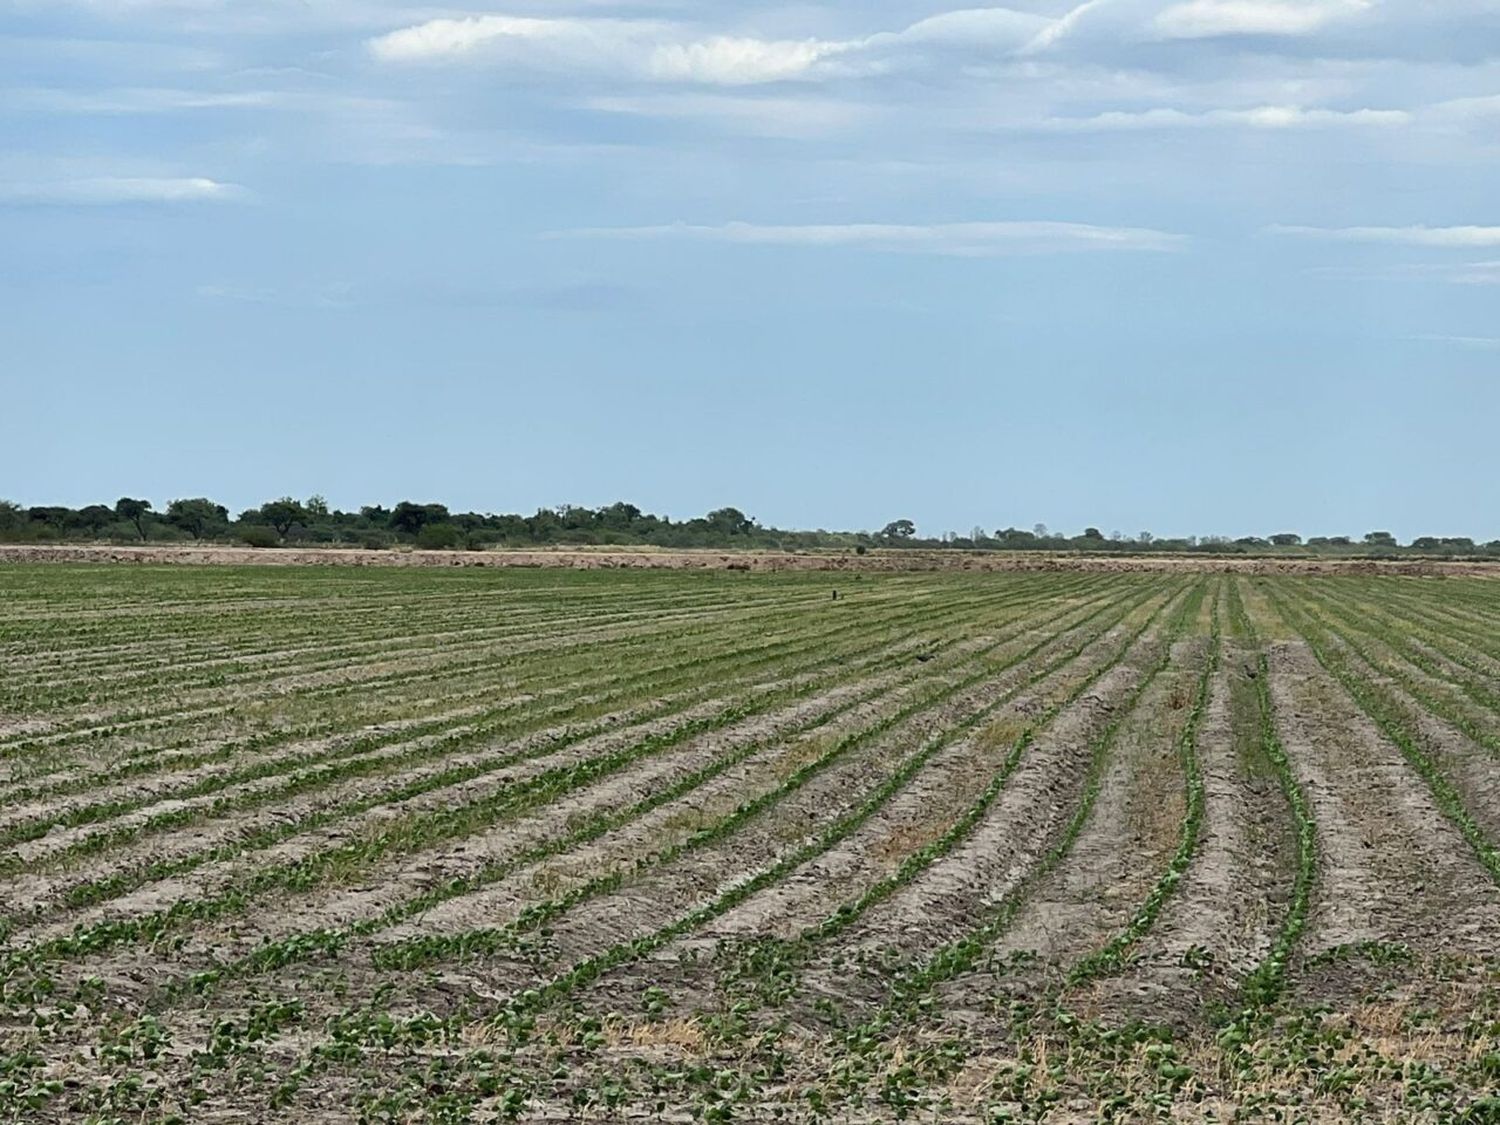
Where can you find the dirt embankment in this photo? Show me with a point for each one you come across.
(630, 559)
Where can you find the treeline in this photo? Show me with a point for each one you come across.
(433, 527)
(312, 522)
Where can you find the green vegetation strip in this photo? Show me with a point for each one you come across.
(1265, 982)
(482, 728)
(522, 1005)
(1396, 724)
(1342, 622)
(1111, 958)
(422, 950)
(103, 889)
(303, 874)
(963, 954)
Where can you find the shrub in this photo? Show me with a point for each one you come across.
(438, 537)
(258, 535)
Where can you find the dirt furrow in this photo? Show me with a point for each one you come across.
(1391, 867)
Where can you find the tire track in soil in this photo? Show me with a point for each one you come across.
(1391, 868)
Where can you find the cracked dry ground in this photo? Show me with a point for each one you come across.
(284, 844)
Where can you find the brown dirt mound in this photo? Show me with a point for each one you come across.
(622, 559)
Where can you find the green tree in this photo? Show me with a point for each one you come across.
(898, 529)
(1380, 539)
(410, 518)
(439, 537)
(135, 512)
(1286, 539)
(1093, 533)
(283, 514)
(93, 519)
(198, 517)
(730, 521)
(56, 518)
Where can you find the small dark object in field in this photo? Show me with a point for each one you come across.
(1252, 671)
(923, 657)
(835, 595)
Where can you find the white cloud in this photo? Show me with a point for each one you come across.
(641, 48)
(797, 117)
(1453, 237)
(1450, 273)
(951, 239)
(668, 52)
(1259, 117)
(1203, 19)
(991, 28)
(737, 61)
(1482, 343)
(131, 100)
(122, 189)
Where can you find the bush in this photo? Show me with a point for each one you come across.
(438, 537)
(258, 535)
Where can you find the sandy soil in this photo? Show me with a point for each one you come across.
(621, 559)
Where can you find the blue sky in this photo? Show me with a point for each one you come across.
(1193, 266)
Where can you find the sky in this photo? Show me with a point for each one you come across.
(1186, 266)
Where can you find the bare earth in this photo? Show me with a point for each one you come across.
(654, 559)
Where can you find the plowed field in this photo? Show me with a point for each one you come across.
(331, 844)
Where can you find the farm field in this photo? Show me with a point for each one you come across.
(332, 844)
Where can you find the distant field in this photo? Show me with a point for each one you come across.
(329, 844)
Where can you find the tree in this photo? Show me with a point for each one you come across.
(52, 517)
(198, 516)
(730, 521)
(94, 518)
(316, 506)
(135, 512)
(438, 537)
(898, 529)
(1286, 539)
(1093, 533)
(619, 516)
(10, 515)
(411, 518)
(1380, 539)
(283, 514)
